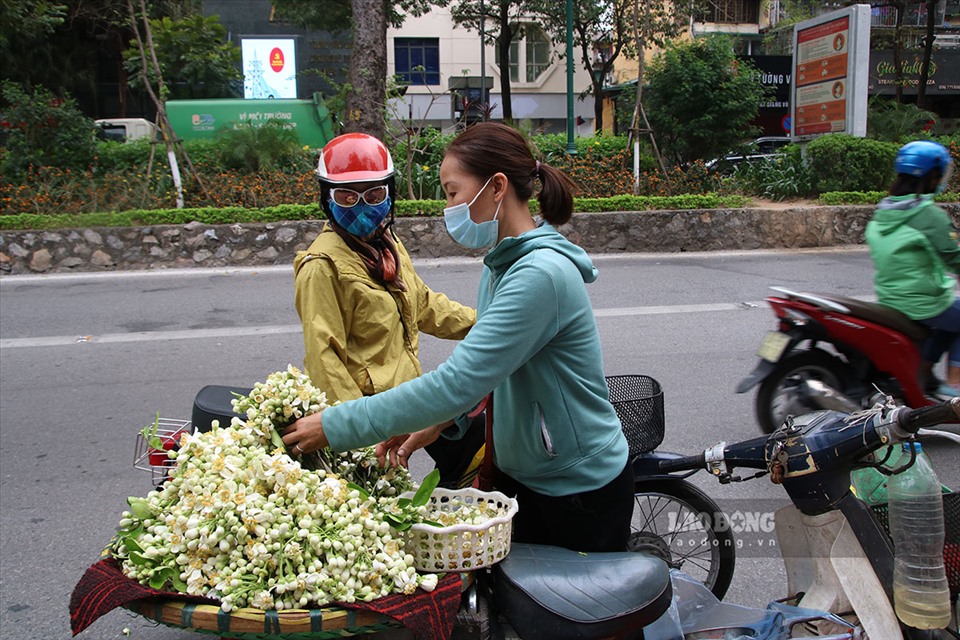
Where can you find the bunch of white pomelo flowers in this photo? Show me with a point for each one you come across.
(241, 521)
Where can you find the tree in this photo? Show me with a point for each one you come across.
(68, 47)
(505, 18)
(46, 44)
(368, 20)
(195, 58)
(655, 23)
(701, 99)
(928, 38)
(606, 23)
(43, 130)
(28, 21)
(366, 102)
(151, 71)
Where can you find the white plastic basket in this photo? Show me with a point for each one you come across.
(462, 547)
(154, 460)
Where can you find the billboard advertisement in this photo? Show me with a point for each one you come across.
(269, 68)
(830, 70)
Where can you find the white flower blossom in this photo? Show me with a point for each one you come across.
(241, 521)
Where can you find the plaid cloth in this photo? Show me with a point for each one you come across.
(103, 587)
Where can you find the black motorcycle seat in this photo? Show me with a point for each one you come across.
(214, 402)
(880, 314)
(551, 592)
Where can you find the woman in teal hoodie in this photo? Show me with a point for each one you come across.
(556, 438)
(914, 248)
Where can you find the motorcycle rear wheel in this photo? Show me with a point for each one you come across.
(777, 398)
(676, 522)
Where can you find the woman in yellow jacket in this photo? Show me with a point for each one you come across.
(360, 300)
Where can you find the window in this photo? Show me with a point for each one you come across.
(536, 51)
(417, 60)
(514, 60)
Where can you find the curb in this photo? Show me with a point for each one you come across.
(251, 245)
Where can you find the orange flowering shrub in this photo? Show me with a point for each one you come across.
(53, 190)
(602, 175)
(119, 180)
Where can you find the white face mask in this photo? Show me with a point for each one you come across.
(465, 231)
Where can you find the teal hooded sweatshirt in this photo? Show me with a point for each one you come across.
(536, 345)
(913, 244)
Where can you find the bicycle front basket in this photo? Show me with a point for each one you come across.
(638, 400)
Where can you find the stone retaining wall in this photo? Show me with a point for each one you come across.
(199, 245)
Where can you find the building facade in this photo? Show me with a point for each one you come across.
(441, 65)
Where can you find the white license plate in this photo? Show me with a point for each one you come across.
(773, 346)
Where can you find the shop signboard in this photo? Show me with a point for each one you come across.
(943, 76)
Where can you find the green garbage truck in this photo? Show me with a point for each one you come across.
(195, 119)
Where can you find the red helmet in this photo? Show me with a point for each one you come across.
(354, 157)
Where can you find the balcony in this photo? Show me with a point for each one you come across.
(729, 16)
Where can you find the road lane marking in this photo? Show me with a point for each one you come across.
(150, 336)
(240, 332)
(671, 309)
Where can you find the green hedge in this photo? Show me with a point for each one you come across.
(870, 197)
(230, 215)
(841, 162)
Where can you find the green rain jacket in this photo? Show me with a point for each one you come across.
(536, 344)
(361, 337)
(913, 244)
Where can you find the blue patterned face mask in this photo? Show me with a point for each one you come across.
(361, 219)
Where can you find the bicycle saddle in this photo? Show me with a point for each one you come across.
(553, 593)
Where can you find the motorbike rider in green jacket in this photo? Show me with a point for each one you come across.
(914, 247)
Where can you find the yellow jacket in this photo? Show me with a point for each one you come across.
(360, 337)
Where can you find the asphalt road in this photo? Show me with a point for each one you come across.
(86, 360)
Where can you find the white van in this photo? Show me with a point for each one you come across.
(123, 129)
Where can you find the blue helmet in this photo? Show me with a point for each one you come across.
(919, 157)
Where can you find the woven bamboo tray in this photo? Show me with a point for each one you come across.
(254, 624)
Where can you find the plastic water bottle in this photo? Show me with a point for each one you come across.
(869, 484)
(921, 597)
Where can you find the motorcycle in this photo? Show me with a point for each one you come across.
(841, 556)
(838, 353)
(666, 531)
(547, 592)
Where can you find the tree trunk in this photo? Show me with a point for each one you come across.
(898, 52)
(640, 36)
(368, 70)
(503, 46)
(596, 80)
(597, 101)
(927, 54)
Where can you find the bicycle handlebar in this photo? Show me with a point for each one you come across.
(684, 463)
(912, 420)
(904, 422)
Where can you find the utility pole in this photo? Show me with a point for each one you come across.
(484, 98)
(571, 145)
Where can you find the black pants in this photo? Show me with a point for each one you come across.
(453, 457)
(597, 520)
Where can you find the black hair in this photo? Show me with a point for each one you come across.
(905, 184)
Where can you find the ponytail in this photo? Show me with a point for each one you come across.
(556, 194)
